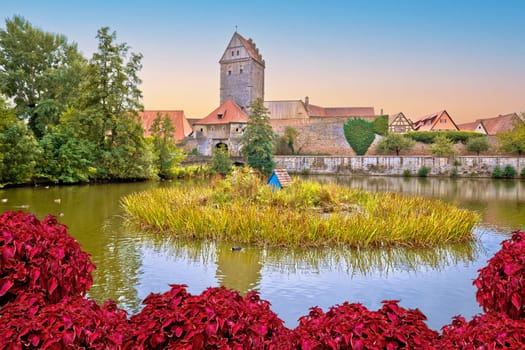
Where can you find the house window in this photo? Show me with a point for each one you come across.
(229, 72)
(220, 115)
(442, 120)
(202, 129)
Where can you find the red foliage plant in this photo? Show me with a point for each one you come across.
(40, 257)
(72, 323)
(486, 331)
(218, 318)
(353, 326)
(501, 284)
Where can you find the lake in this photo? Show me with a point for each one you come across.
(130, 264)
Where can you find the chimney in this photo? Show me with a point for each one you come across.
(381, 111)
(306, 101)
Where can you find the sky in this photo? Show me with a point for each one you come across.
(410, 56)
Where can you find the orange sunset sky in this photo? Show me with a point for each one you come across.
(416, 57)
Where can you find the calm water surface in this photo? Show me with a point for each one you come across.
(131, 265)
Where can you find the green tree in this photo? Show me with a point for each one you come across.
(221, 162)
(286, 144)
(478, 144)
(18, 148)
(107, 111)
(257, 141)
(513, 141)
(442, 146)
(40, 71)
(394, 142)
(360, 134)
(165, 150)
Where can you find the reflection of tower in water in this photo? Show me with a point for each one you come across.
(238, 269)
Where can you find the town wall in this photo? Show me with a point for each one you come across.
(467, 166)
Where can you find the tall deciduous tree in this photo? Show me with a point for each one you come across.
(108, 110)
(257, 141)
(394, 142)
(165, 150)
(18, 148)
(40, 71)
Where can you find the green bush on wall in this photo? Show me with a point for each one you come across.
(360, 134)
(455, 136)
(380, 125)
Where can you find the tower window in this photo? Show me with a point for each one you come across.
(232, 53)
(229, 72)
(240, 71)
(237, 52)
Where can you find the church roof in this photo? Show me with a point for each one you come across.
(178, 119)
(227, 112)
(318, 111)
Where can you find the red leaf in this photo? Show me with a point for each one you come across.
(5, 286)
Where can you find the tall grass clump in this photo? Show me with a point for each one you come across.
(241, 208)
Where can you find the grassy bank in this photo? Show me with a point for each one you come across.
(243, 209)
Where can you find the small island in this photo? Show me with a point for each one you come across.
(243, 209)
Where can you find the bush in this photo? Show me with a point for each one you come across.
(455, 172)
(423, 171)
(218, 318)
(353, 326)
(508, 172)
(455, 136)
(221, 162)
(488, 331)
(360, 134)
(72, 323)
(380, 125)
(407, 172)
(40, 257)
(522, 174)
(500, 284)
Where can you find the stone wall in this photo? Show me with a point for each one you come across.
(467, 166)
(317, 135)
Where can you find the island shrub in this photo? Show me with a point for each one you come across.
(71, 323)
(40, 257)
(218, 318)
(353, 326)
(500, 284)
(407, 172)
(305, 213)
(360, 134)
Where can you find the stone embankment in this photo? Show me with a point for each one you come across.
(463, 166)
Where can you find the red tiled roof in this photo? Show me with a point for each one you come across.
(500, 123)
(469, 126)
(228, 112)
(432, 119)
(181, 124)
(317, 111)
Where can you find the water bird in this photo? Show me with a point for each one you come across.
(4, 200)
(236, 249)
(58, 200)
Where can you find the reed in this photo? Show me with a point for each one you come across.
(243, 209)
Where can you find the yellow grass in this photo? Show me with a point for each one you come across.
(243, 209)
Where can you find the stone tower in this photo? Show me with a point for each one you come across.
(242, 72)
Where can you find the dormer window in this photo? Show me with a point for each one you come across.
(220, 116)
